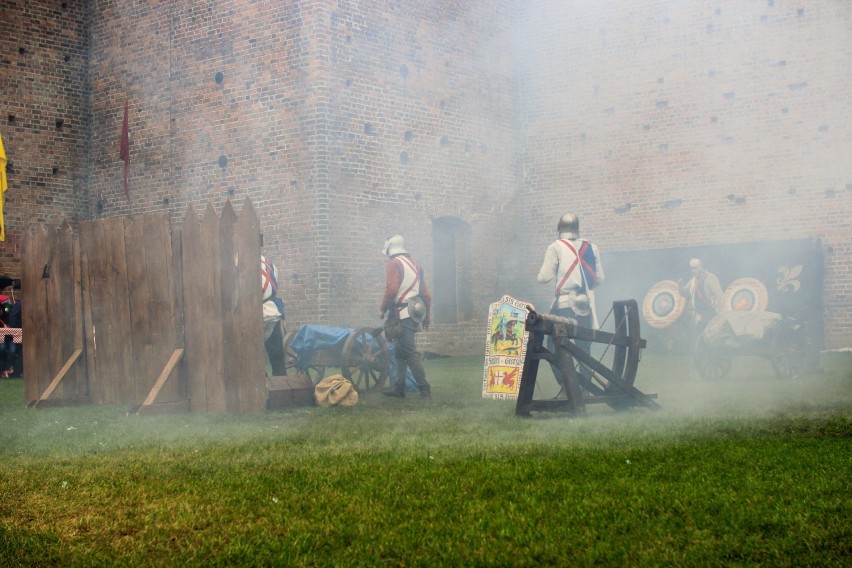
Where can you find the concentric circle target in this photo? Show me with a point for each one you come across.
(663, 304)
(746, 295)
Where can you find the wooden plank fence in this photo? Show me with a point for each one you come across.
(130, 312)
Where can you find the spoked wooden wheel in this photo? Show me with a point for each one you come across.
(366, 361)
(315, 372)
(710, 363)
(788, 355)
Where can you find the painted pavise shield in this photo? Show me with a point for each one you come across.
(506, 348)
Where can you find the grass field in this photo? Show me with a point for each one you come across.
(749, 470)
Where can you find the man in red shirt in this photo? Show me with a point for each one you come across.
(407, 304)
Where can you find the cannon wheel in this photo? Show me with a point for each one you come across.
(366, 360)
(789, 354)
(314, 372)
(711, 364)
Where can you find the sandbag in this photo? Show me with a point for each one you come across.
(336, 390)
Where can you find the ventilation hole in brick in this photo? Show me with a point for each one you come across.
(231, 191)
(223, 161)
(409, 135)
(166, 201)
(219, 78)
(22, 50)
(294, 183)
(10, 119)
(55, 170)
(59, 124)
(65, 5)
(445, 141)
(66, 57)
(368, 128)
(10, 168)
(403, 71)
(403, 157)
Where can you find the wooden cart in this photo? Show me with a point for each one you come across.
(361, 354)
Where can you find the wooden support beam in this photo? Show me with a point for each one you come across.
(161, 380)
(59, 376)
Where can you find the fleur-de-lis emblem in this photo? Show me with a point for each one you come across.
(788, 278)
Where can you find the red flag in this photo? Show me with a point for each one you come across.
(124, 152)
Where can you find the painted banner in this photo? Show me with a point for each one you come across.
(784, 277)
(505, 349)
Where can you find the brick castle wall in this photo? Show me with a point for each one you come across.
(662, 123)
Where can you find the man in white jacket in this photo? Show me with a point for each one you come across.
(575, 265)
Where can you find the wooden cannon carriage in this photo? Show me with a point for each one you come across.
(599, 384)
(361, 354)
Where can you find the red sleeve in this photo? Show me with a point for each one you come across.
(393, 278)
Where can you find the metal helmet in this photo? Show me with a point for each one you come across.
(394, 245)
(417, 309)
(569, 226)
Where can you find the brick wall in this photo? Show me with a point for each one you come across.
(44, 117)
(662, 123)
(671, 123)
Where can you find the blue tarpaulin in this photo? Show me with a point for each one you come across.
(311, 337)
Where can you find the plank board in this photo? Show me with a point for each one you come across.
(104, 245)
(242, 309)
(152, 322)
(203, 312)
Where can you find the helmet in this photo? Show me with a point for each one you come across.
(570, 224)
(394, 245)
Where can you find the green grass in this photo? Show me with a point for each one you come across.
(749, 470)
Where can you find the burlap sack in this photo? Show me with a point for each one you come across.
(336, 390)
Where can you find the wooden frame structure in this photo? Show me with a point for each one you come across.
(609, 386)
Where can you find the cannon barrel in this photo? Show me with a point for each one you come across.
(534, 317)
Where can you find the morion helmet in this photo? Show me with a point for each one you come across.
(394, 245)
(569, 224)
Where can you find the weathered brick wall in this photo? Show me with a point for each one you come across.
(225, 103)
(344, 123)
(420, 127)
(669, 123)
(43, 116)
(662, 123)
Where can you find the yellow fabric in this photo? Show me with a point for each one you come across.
(3, 185)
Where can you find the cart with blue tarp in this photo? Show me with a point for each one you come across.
(363, 354)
